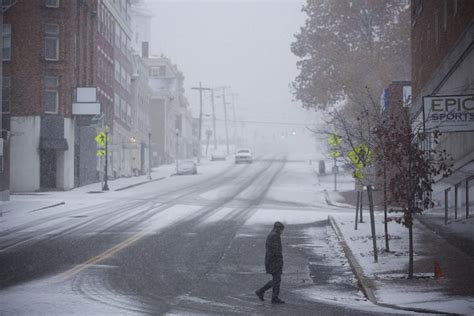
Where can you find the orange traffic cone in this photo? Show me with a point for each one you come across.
(438, 273)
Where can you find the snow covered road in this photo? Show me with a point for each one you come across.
(190, 244)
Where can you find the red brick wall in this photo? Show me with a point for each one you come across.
(427, 52)
(28, 66)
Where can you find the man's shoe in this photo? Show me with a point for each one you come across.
(260, 295)
(276, 300)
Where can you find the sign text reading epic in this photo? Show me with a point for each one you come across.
(449, 113)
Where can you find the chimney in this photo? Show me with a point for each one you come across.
(145, 49)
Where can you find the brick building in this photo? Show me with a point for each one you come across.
(443, 64)
(395, 103)
(56, 47)
(38, 77)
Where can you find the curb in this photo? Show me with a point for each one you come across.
(367, 284)
(139, 183)
(46, 207)
(331, 203)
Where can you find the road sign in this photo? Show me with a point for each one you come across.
(334, 140)
(101, 139)
(335, 153)
(360, 157)
(100, 152)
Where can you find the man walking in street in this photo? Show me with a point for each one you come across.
(273, 263)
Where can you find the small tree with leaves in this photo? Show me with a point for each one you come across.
(414, 163)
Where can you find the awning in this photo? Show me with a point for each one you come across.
(53, 143)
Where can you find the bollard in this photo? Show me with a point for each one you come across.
(438, 273)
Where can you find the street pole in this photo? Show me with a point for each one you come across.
(335, 174)
(234, 135)
(225, 118)
(176, 154)
(106, 186)
(149, 155)
(213, 118)
(200, 88)
(200, 122)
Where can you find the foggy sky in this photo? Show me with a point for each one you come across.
(241, 44)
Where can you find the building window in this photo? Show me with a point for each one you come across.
(123, 78)
(116, 105)
(51, 94)
(52, 3)
(118, 33)
(436, 28)
(129, 83)
(159, 71)
(7, 42)
(162, 71)
(52, 42)
(129, 114)
(6, 88)
(117, 71)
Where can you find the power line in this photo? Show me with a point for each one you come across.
(266, 122)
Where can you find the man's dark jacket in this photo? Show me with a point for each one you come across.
(273, 253)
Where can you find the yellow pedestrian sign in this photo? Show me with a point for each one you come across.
(360, 157)
(100, 152)
(335, 153)
(101, 139)
(334, 140)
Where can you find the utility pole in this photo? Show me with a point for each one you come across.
(234, 135)
(200, 88)
(213, 118)
(177, 150)
(106, 186)
(225, 117)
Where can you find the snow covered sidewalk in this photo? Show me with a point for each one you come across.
(31, 205)
(386, 283)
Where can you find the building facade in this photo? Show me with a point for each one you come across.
(443, 65)
(172, 132)
(55, 48)
(38, 77)
(141, 96)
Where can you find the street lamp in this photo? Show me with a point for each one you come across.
(106, 186)
(149, 154)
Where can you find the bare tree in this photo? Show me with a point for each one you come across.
(409, 152)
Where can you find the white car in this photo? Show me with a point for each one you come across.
(186, 167)
(243, 155)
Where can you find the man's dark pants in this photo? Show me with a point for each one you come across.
(273, 283)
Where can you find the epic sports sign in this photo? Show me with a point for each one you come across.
(448, 113)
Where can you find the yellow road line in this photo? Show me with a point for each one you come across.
(106, 254)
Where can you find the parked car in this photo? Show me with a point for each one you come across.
(243, 155)
(218, 155)
(186, 167)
